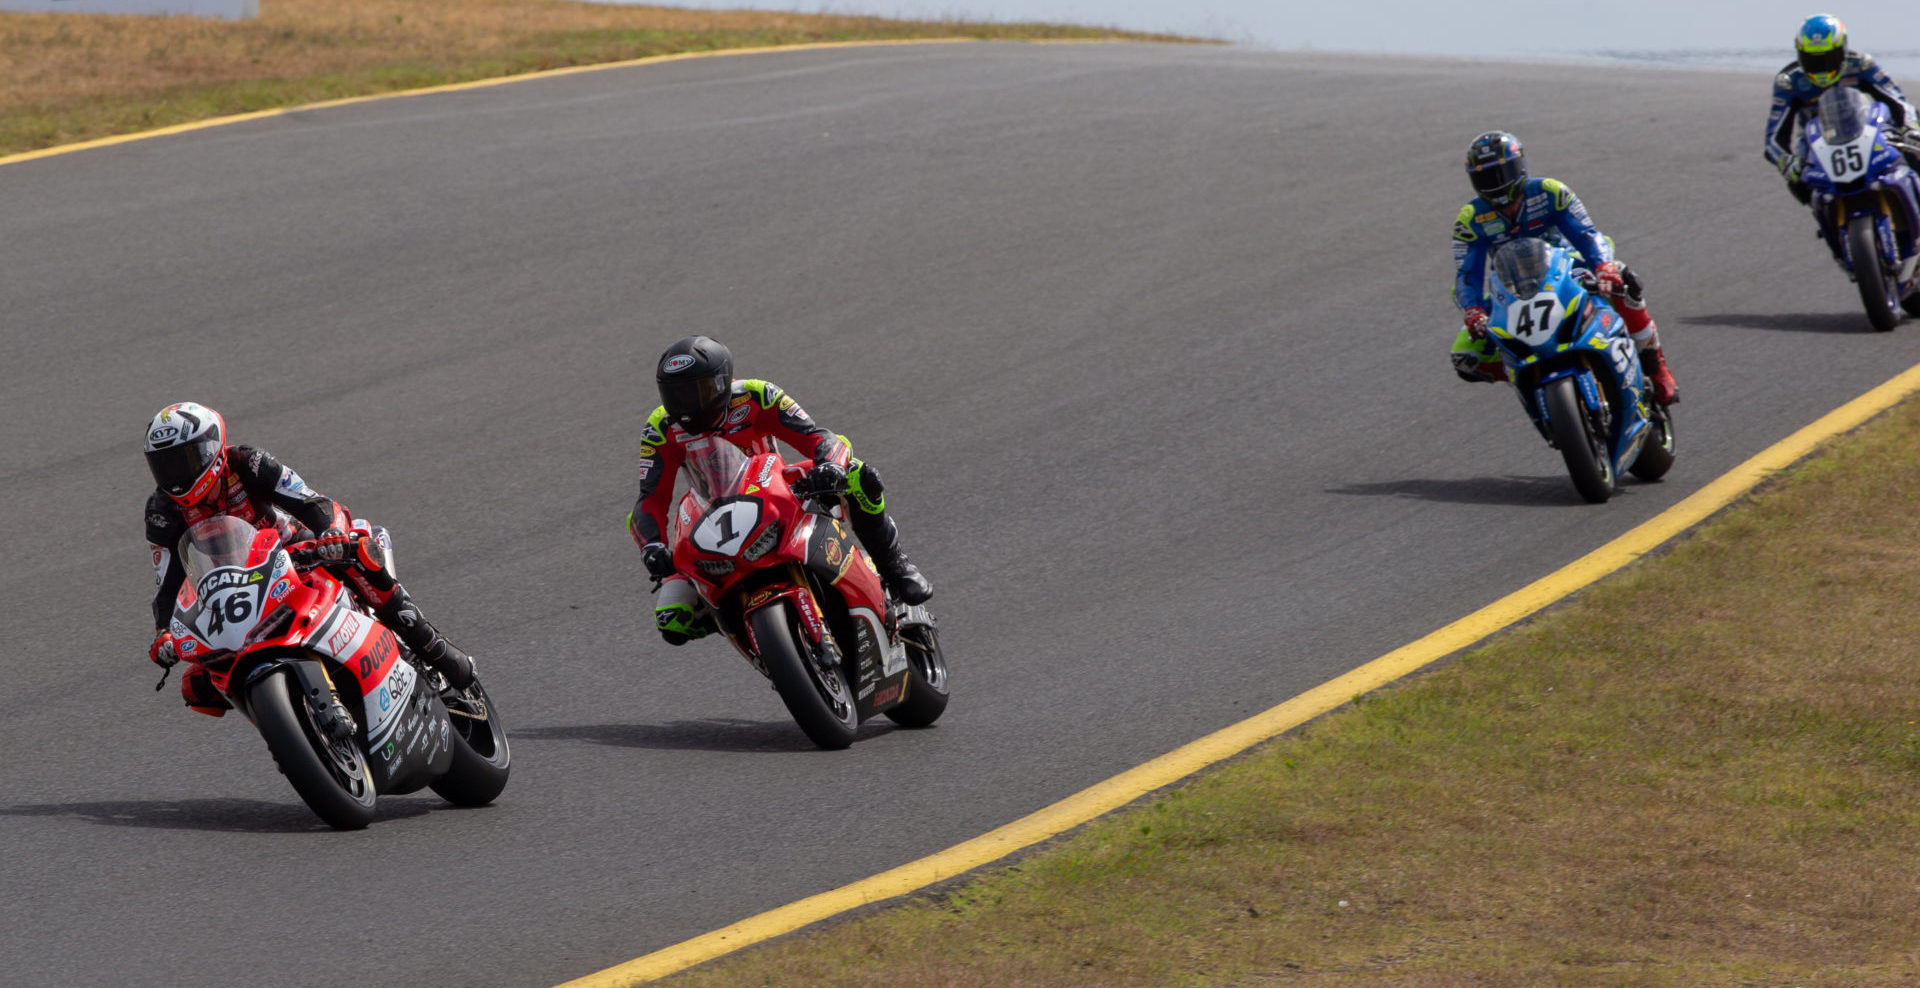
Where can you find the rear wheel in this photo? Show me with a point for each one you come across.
(1656, 454)
(815, 692)
(331, 776)
(481, 757)
(1863, 248)
(926, 679)
(1586, 456)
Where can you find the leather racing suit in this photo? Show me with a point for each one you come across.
(1551, 212)
(758, 413)
(260, 490)
(1795, 97)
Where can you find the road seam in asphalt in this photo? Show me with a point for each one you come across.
(1182, 762)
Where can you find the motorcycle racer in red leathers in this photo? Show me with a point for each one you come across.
(199, 476)
(699, 397)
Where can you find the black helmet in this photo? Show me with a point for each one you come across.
(1497, 165)
(696, 380)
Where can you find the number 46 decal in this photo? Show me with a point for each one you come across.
(725, 529)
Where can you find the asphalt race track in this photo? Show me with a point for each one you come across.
(1150, 343)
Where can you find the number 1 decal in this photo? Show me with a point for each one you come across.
(726, 527)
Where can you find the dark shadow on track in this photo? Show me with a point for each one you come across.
(243, 816)
(1854, 323)
(712, 734)
(1554, 491)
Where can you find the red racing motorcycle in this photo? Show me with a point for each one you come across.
(345, 709)
(795, 593)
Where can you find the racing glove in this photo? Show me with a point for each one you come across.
(1476, 319)
(826, 478)
(1607, 279)
(162, 652)
(658, 560)
(333, 545)
(1790, 166)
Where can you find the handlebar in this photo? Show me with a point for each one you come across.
(306, 555)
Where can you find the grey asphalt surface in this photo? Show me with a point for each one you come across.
(1149, 342)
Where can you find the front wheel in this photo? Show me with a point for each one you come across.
(1586, 455)
(926, 679)
(1863, 248)
(816, 693)
(331, 776)
(481, 758)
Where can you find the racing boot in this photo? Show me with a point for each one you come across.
(401, 615)
(881, 539)
(1654, 362)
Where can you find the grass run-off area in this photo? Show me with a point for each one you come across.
(1704, 770)
(71, 77)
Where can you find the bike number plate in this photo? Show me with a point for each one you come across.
(1532, 320)
(725, 529)
(1846, 162)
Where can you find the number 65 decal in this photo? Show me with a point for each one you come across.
(725, 529)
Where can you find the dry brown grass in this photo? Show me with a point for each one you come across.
(67, 77)
(1705, 771)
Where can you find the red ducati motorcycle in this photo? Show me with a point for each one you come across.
(795, 593)
(345, 709)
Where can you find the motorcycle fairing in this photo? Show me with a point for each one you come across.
(1557, 329)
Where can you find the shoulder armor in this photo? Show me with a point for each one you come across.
(765, 393)
(655, 431)
(1562, 195)
(1463, 228)
(1859, 61)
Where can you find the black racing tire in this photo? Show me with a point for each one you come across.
(481, 755)
(1863, 247)
(926, 679)
(333, 779)
(1586, 458)
(1656, 454)
(820, 700)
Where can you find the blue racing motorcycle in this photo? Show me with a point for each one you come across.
(1577, 372)
(1867, 200)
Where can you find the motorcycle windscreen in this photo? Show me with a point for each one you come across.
(713, 467)
(1522, 266)
(223, 540)
(1845, 113)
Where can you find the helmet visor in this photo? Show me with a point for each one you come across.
(1498, 182)
(698, 403)
(177, 468)
(1823, 67)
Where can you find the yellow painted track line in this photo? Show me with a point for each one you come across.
(1182, 762)
(454, 87)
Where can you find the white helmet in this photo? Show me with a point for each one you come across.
(187, 452)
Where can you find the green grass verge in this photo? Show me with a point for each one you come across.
(79, 118)
(1702, 771)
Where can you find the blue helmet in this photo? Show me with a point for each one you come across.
(1822, 46)
(1497, 166)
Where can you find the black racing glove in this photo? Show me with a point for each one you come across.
(826, 478)
(658, 560)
